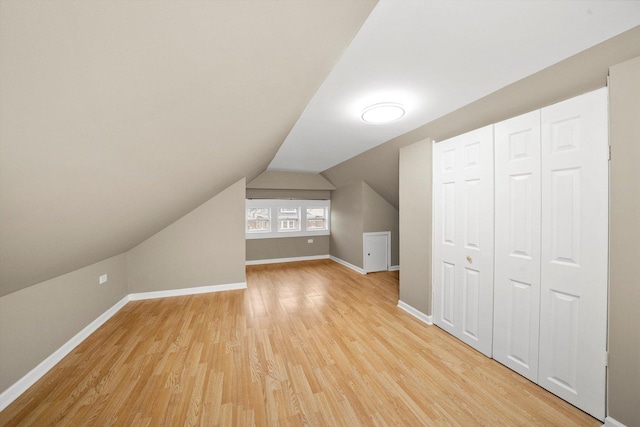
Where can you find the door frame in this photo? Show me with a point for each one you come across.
(387, 234)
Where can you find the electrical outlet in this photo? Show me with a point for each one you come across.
(309, 240)
(103, 279)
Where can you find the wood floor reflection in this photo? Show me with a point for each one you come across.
(308, 343)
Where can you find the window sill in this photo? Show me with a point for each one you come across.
(285, 234)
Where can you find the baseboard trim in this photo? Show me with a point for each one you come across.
(23, 384)
(281, 260)
(610, 422)
(187, 291)
(394, 268)
(415, 313)
(347, 264)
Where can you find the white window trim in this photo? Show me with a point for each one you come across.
(274, 205)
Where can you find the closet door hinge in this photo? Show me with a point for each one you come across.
(606, 358)
(609, 152)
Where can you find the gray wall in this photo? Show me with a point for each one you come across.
(379, 215)
(204, 247)
(415, 225)
(624, 287)
(287, 247)
(356, 208)
(38, 320)
(347, 223)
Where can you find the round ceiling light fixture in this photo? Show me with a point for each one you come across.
(385, 112)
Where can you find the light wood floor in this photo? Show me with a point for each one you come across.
(308, 343)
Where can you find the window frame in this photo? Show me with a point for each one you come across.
(274, 205)
(247, 219)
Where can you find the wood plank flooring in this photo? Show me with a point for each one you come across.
(308, 343)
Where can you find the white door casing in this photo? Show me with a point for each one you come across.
(517, 244)
(377, 248)
(463, 237)
(573, 310)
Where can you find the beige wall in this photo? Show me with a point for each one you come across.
(38, 320)
(415, 225)
(119, 117)
(624, 285)
(282, 180)
(205, 247)
(347, 223)
(287, 247)
(379, 215)
(355, 209)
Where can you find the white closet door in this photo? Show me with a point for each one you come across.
(463, 248)
(517, 244)
(573, 311)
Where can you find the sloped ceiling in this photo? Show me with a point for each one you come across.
(434, 57)
(573, 76)
(118, 117)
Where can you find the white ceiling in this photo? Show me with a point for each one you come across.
(435, 57)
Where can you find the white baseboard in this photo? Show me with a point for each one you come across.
(20, 386)
(415, 313)
(280, 260)
(610, 422)
(347, 264)
(394, 268)
(187, 291)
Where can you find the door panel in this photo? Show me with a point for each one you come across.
(573, 312)
(563, 351)
(470, 303)
(517, 244)
(565, 216)
(448, 295)
(376, 257)
(522, 191)
(463, 237)
(472, 214)
(449, 213)
(519, 326)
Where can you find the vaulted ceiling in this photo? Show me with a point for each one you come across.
(118, 117)
(434, 57)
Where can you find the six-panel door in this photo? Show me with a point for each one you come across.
(573, 310)
(551, 245)
(517, 244)
(463, 249)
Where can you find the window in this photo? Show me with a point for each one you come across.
(317, 218)
(258, 220)
(288, 219)
(269, 218)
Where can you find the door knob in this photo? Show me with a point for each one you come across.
(470, 260)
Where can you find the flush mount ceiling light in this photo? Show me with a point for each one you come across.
(385, 112)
